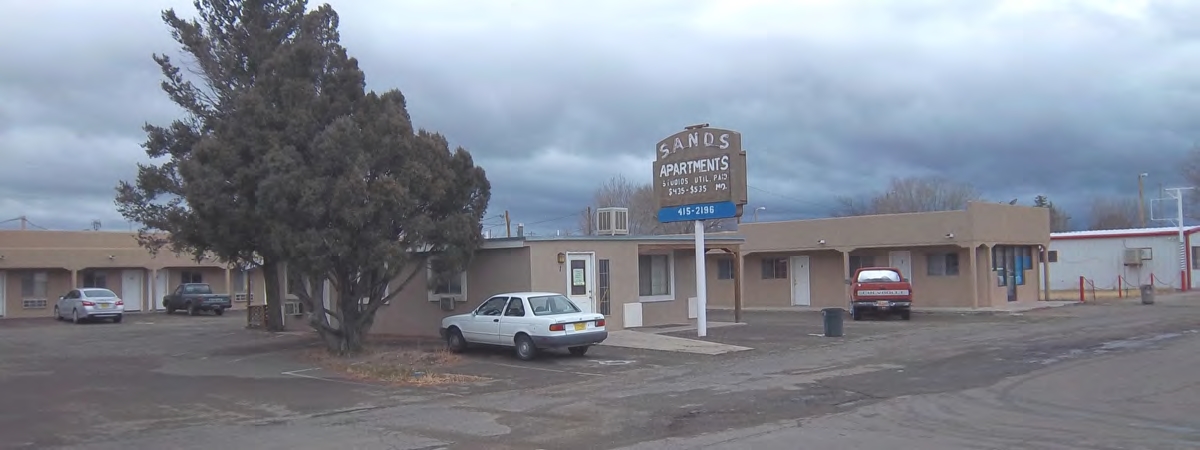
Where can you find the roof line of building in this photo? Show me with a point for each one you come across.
(1122, 233)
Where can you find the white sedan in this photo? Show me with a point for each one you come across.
(528, 322)
(89, 303)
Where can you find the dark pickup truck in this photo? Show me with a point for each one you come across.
(196, 297)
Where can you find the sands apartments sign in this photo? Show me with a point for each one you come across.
(700, 174)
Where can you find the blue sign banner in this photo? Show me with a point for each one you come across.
(699, 211)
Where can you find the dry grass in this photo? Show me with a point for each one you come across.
(410, 365)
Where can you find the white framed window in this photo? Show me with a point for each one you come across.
(774, 268)
(941, 264)
(656, 280)
(95, 279)
(450, 286)
(33, 285)
(725, 268)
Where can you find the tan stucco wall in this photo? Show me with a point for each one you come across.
(58, 282)
(495, 271)
(110, 252)
(981, 225)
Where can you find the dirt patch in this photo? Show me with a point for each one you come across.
(407, 365)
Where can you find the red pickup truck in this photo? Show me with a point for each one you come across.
(880, 290)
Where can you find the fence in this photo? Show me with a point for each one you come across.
(1091, 289)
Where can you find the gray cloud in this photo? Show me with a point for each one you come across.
(1071, 100)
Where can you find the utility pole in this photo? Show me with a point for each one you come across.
(1142, 199)
(589, 221)
(507, 224)
(1177, 194)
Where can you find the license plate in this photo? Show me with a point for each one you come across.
(881, 303)
(580, 326)
(105, 305)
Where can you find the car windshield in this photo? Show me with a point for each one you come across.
(549, 305)
(878, 276)
(98, 293)
(197, 289)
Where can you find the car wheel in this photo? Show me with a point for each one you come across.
(75, 317)
(192, 310)
(170, 310)
(117, 319)
(455, 341)
(219, 311)
(578, 351)
(525, 348)
(57, 315)
(905, 315)
(855, 314)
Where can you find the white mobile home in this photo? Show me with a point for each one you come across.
(1133, 256)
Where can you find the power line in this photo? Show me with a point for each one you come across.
(576, 213)
(790, 198)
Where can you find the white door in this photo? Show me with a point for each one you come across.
(161, 279)
(131, 289)
(801, 287)
(903, 261)
(580, 280)
(3, 289)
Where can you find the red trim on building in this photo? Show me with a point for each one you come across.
(1130, 234)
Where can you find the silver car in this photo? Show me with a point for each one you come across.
(89, 303)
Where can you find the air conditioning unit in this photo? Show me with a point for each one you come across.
(612, 221)
(447, 303)
(293, 309)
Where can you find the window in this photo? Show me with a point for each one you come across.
(446, 283)
(603, 286)
(941, 264)
(239, 281)
(579, 277)
(548, 305)
(879, 276)
(516, 308)
(1195, 258)
(492, 306)
(1011, 262)
(98, 293)
(654, 276)
(725, 268)
(860, 261)
(33, 285)
(188, 276)
(95, 280)
(774, 268)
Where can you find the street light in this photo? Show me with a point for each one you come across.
(756, 210)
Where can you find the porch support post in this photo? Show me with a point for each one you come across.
(846, 273)
(74, 279)
(973, 269)
(155, 296)
(229, 283)
(990, 284)
(737, 285)
(1046, 271)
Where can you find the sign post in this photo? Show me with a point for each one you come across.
(699, 175)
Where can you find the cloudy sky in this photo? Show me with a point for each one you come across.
(1068, 98)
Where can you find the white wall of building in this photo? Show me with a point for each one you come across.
(1101, 260)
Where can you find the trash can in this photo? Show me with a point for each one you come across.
(833, 321)
(1147, 294)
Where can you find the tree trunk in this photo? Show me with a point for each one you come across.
(274, 301)
(342, 342)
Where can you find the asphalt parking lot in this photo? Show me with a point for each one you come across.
(65, 384)
(774, 331)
